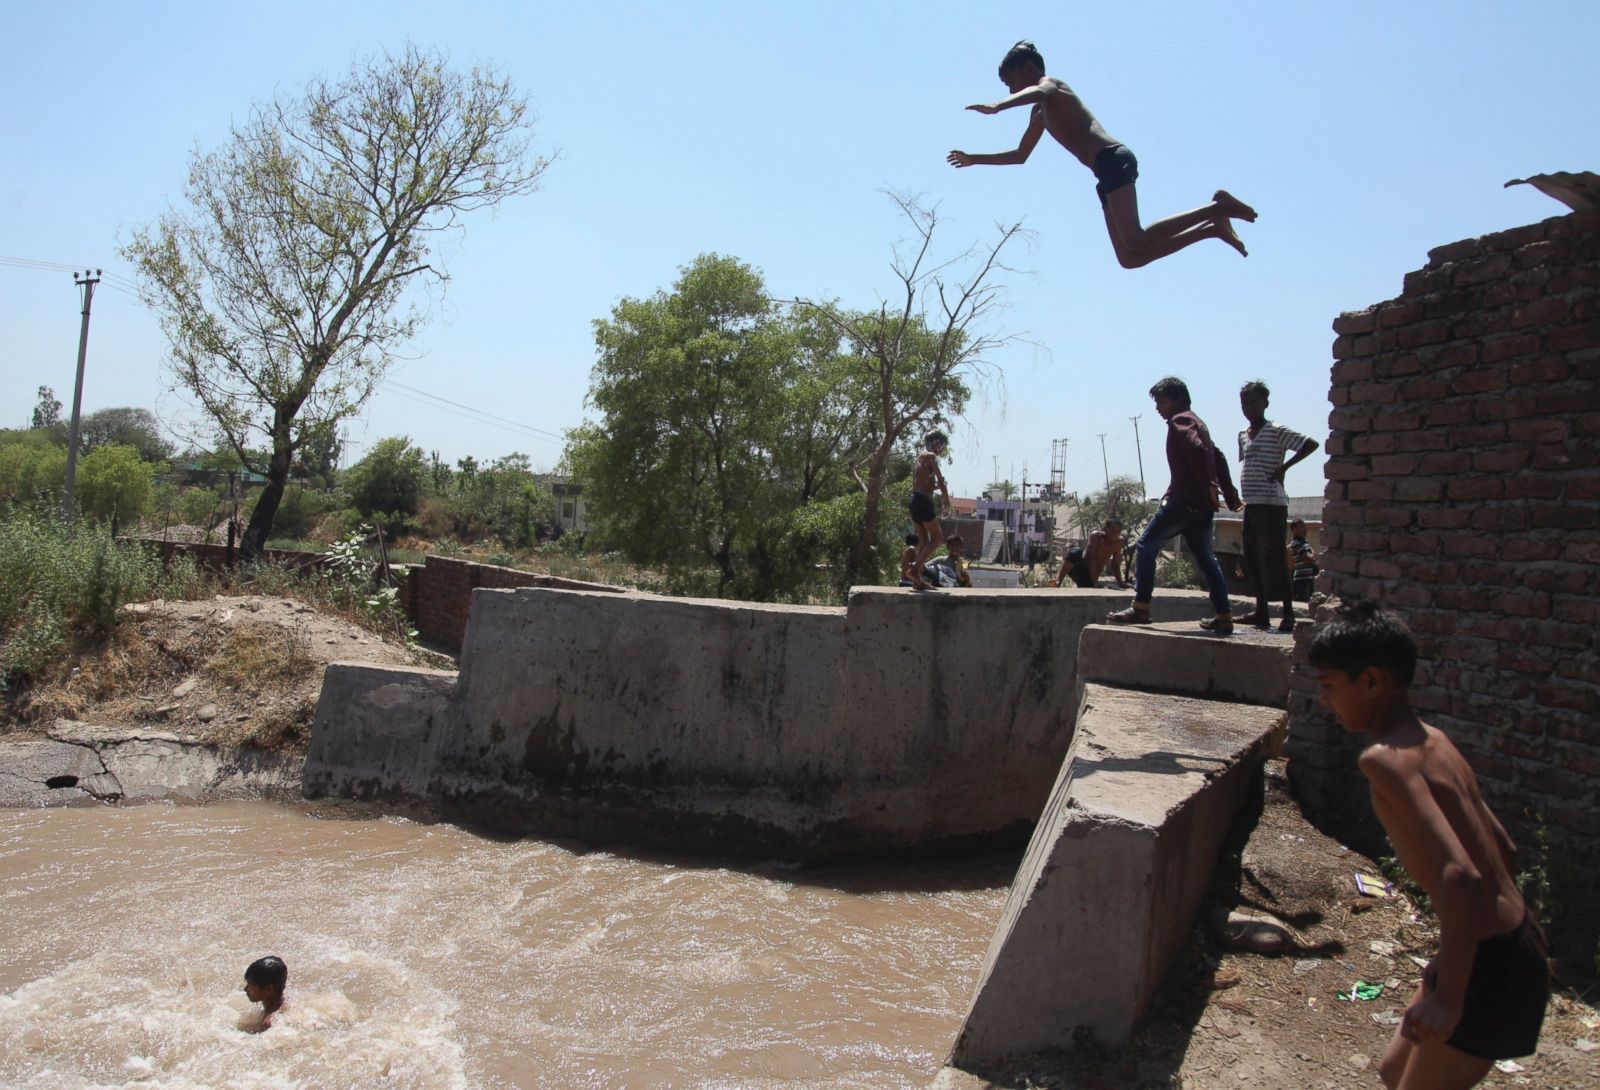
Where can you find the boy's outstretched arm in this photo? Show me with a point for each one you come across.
(1030, 140)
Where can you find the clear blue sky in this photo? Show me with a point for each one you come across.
(1364, 132)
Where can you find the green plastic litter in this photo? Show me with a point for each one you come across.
(1360, 990)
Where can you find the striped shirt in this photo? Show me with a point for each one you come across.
(1260, 457)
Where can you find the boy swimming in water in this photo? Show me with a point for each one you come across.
(1483, 995)
(264, 982)
(1058, 111)
(926, 517)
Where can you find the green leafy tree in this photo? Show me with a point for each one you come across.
(390, 480)
(280, 286)
(47, 411)
(918, 355)
(1007, 489)
(32, 466)
(1123, 498)
(129, 427)
(115, 485)
(691, 386)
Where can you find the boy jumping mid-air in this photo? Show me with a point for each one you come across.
(1058, 111)
(1483, 995)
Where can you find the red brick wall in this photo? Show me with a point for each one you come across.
(1463, 492)
(437, 595)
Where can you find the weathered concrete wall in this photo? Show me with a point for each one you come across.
(816, 732)
(437, 594)
(1464, 493)
(1250, 666)
(1107, 892)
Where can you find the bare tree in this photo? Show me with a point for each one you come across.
(917, 350)
(280, 287)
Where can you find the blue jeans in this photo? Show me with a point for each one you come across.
(1194, 524)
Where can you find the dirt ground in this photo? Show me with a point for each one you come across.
(1231, 1018)
(235, 670)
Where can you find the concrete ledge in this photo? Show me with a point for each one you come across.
(811, 732)
(1251, 666)
(1118, 864)
(377, 729)
(84, 763)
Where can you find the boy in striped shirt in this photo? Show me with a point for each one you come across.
(1262, 447)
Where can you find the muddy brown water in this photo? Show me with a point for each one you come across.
(424, 956)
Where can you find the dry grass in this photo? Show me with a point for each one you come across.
(253, 659)
(101, 669)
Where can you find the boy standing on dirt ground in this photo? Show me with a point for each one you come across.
(926, 517)
(1262, 447)
(1302, 560)
(1483, 995)
(1199, 477)
(1059, 112)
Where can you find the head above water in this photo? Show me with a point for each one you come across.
(1018, 57)
(1361, 637)
(1172, 389)
(268, 972)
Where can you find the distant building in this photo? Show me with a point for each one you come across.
(571, 509)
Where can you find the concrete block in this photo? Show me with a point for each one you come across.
(376, 730)
(1250, 666)
(1119, 861)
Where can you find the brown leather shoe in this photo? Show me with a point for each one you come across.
(1220, 625)
(1128, 616)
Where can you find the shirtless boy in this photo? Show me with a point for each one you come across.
(264, 982)
(1483, 995)
(1058, 111)
(908, 557)
(926, 517)
(1083, 567)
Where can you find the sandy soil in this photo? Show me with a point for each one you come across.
(1231, 1018)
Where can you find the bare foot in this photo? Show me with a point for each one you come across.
(1225, 233)
(1233, 207)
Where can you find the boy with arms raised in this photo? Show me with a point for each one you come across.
(1058, 111)
(1483, 995)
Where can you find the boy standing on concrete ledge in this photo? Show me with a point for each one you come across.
(1262, 447)
(1483, 995)
(1199, 477)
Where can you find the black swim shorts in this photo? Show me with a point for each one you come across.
(922, 508)
(1114, 168)
(1079, 571)
(1506, 995)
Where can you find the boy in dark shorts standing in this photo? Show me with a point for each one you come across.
(1063, 115)
(1483, 995)
(926, 477)
(1263, 447)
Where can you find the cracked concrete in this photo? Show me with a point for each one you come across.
(81, 763)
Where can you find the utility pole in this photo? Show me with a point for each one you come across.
(1103, 463)
(1143, 493)
(86, 282)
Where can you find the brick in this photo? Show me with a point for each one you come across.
(1414, 543)
(1502, 461)
(1443, 518)
(1481, 270)
(1529, 547)
(1480, 323)
(1390, 518)
(1454, 251)
(1538, 431)
(1564, 694)
(1369, 490)
(1394, 465)
(1540, 312)
(1517, 237)
(1535, 254)
(1543, 369)
(1479, 435)
(1575, 610)
(1565, 517)
(1489, 573)
(1510, 347)
(1470, 545)
(1356, 321)
(1398, 365)
(1582, 488)
(1444, 462)
(1424, 282)
(1445, 414)
(1374, 393)
(1363, 344)
(1459, 599)
(1577, 335)
(1500, 519)
(1567, 400)
(1396, 420)
(1424, 333)
(1339, 395)
(1350, 419)
(1351, 370)
(1413, 441)
(1505, 407)
(1459, 354)
(1371, 443)
(1346, 469)
(1424, 389)
(1343, 347)
(1475, 488)
(1438, 572)
(1561, 456)
(1363, 540)
(1524, 487)
(1578, 549)
(1522, 604)
(1566, 636)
